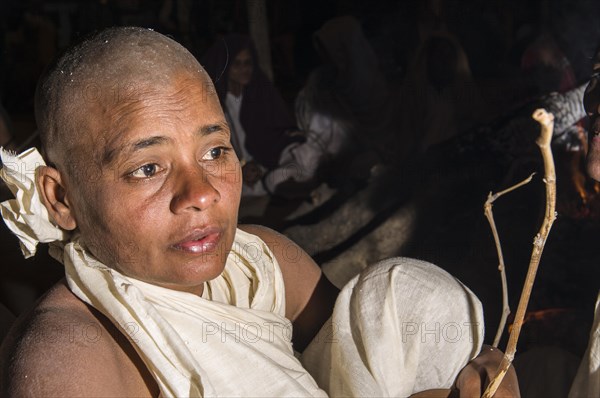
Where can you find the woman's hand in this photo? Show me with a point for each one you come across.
(475, 377)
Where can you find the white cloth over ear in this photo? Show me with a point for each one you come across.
(26, 216)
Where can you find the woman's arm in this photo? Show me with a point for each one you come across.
(309, 295)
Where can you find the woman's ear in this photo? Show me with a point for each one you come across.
(52, 191)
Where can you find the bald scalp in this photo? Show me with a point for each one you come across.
(97, 74)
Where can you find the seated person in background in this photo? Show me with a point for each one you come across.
(138, 196)
(260, 123)
(342, 108)
(439, 98)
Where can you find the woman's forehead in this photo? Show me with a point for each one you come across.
(138, 88)
(189, 99)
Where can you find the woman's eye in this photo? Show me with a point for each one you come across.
(146, 171)
(215, 153)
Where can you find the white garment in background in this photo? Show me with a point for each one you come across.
(326, 138)
(587, 381)
(233, 106)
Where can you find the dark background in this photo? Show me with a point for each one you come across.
(494, 34)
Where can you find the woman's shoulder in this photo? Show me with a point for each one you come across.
(60, 342)
(300, 273)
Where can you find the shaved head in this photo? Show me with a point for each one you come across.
(101, 73)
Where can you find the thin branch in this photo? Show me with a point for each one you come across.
(489, 214)
(546, 120)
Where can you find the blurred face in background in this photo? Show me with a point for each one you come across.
(240, 71)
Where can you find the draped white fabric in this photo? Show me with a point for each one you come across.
(25, 215)
(402, 326)
(235, 341)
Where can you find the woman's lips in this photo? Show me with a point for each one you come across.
(199, 242)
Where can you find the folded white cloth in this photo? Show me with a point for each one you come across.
(25, 215)
(399, 327)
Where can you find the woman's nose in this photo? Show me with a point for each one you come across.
(194, 190)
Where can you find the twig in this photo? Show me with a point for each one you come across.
(546, 120)
(489, 214)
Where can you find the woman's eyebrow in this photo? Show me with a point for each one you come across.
(114, 151)
(110, 154)
(146, 142)
(213, 128)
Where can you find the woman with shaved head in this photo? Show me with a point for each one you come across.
(164, 293)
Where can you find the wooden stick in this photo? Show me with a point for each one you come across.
(546, 120)
(489, 214)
